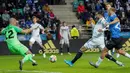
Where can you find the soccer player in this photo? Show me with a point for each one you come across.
(97, 40)
(115, 41)
(36, 35)
(107, 33)
(13, 43)
(65, 35)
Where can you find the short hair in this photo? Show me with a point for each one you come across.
(100, 13)
(112, 9)
(34, 17)
(11, 20)
(73, 26)
(107, 3)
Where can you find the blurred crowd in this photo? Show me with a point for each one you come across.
(23, 10)
(87, 8)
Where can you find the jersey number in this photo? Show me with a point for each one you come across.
(10, 32)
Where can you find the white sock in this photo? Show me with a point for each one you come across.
(117, 55)
(127, 55)
(109, 52)
(99, 61)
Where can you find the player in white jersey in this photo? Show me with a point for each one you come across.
(65, 35)
(97, 40)
(36, 36)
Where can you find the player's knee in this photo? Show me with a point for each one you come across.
(30, 43)
(28, 52)
(83, 49)
(121, 52)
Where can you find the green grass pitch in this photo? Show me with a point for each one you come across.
(9, 64)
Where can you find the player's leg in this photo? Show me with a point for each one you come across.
(61, 46)
(39, 41)
(122, 52)
(68, 47)
(104, 54)
(119, 46)
(88, 44)
(23, 50)
(31, 42)
(101, 58)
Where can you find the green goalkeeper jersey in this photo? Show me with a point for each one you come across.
(10, 33)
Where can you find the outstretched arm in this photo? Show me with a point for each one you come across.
(26, 31)
(115, 21)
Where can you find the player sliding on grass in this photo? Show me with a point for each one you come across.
(13, 43)
(115, 41)
(36, 36)
(97, 41)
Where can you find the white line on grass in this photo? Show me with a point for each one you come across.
(27, 71)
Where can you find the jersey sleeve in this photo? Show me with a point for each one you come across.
(112, 18)
(40, 26)
(17, 29)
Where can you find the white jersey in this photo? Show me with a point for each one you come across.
(36, 32)
(99, 25)
(64, 32)
(97, 40)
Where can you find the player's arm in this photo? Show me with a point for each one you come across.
(106, 26)
(69, 33)
(61, 32)
(114, 21)
(42, 28)
(26, 31)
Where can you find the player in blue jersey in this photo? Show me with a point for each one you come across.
(107, 33)
(115, 41)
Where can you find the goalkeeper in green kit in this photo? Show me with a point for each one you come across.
(14, 44)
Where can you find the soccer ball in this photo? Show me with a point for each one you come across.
(53, 58)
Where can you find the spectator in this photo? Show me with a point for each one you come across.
(36, 2)
(46, 8)
(27, 9)
(51, 18)
(80, 10)
(98, 6)
(51, 15)
(5, 17)
(28, 23)
(19, 15)
(85, 16)
(117, 5)
(90, 22)
(29, 2)
(128, 7)
(74, 32)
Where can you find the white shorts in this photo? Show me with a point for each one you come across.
(64, 41)
(95, 43)
(37, 39)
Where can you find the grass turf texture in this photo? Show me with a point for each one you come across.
(9, 64)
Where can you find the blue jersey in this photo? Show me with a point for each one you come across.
(114, 28)
(106, 16)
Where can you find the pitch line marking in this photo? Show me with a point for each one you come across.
(26, 71)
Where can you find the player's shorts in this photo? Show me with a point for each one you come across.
(18, 49)
(37, 39)
(114, 43)
(95, 43)
(64, 41)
